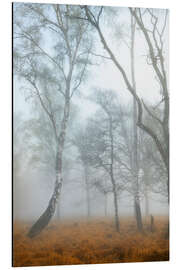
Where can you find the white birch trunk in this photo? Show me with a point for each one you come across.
(137, 207)
(45, 218)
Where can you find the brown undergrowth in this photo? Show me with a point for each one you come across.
(95, 241)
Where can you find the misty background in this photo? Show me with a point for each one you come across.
(87, 189)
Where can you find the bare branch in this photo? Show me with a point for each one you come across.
(44, 106)
(151, 114)
(99, 14)
(99, 55)
(30, 38)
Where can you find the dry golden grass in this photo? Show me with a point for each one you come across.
(96, 241)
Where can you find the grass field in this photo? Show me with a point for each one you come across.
(96, 241)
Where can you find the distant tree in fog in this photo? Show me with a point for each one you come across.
(102, 136)
(81, 141)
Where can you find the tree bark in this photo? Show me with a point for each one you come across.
(45, 218)
(87, 192)
(105, 199)
(116, 207)
(152, 223)
(112, 175)
(58, 211)
(146, 188)
(138, 214)
(146, 203)
(135, 142)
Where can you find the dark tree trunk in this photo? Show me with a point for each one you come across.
(105, 199)
(116, 209)
(87, 192)
(146, 181)
(146, 203)
(152, 224)
(112, 175)
(138, 214)
(105, 205)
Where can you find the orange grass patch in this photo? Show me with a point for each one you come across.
(96, 241)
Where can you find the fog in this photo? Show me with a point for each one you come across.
(34, 141)
(34, 194)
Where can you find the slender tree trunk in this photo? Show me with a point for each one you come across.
(146, 203)
(146, 179)
(152, 224)
(105, 199)
(111, 171)
(135, 144)
(112, 176)
(116, 208)
(105, 205)
(138, 214)
(87, 192)
(45, 218)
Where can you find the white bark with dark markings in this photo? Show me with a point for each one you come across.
(45, 218)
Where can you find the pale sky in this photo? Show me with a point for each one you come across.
(107, 75)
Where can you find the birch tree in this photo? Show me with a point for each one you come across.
(51, 56)
(135, 149)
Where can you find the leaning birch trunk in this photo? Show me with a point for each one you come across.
(58, 211)
(45, 218)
